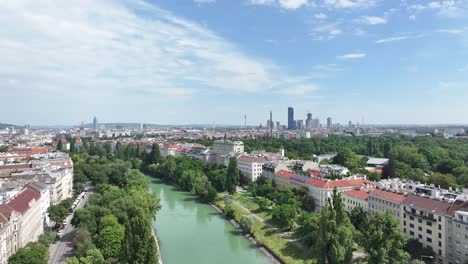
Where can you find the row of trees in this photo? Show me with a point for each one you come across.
(116, 224)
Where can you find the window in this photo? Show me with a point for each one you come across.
(411, 233)
(429, 240)
(411, 225)
(404, 230)
(440, 235)
(429, 231)
(413, 211)
(411, 217)
(440, 227)
(420, 236)
(429, 223)
(419, 228)
(420, 221)
(404, 223)
(440, 243)
(440, 252)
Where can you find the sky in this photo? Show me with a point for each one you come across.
(212, 61)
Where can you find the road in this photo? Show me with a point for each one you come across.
(63, 249)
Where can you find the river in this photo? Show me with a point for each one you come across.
(193, 232)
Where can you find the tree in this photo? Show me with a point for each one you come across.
(32, 253)
(335, 236)
(59, 145)
(416, 249)
(110, 236)
(168, 169)
(138, 245)
(232, 176)
(384, 240)
(284, 215)
(246, 223)
(263, 203)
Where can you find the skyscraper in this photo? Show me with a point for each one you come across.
(329, 122)
(309, 121)
(95, 123)
(290, 118)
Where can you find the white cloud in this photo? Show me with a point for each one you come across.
(399, 38)
(372, 20)
(292, 4)
(320, 16)
(326, 31)
(352, 56)
(445, 8)
(261, 2)
(455, 31)
(412, 17)
(92, 48)
(350, 3)
(286, 4)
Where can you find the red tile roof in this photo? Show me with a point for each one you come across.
(285, 173)
(388, 195)
(331, 184)
(6, 210)
(21, 201)
(359, 194)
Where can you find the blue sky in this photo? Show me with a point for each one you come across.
(207, 61)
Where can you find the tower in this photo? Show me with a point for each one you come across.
(290, 118)
(309, 121)
(271, 124)
(329, 122)
(95, 123)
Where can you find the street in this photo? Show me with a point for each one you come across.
(63, 249)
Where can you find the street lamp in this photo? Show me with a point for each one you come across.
(428, 257)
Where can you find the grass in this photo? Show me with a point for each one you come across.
(251, 204)
(287, 251)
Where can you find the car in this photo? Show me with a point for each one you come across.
(65, 222)
(59, 233)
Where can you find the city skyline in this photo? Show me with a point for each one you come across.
(204, 62)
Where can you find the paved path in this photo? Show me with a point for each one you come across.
(63, 249)
(283, 234)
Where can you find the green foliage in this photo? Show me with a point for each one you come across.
(335, 235)
(284, 215)
(307, 231)
(232, 176)
(59, 212)
(110, 236)
(138, 245)
(384, 240)
(229, 211)
(246, 223)
(263, 203)
(349, 159)
(416, 249)
(32, 253)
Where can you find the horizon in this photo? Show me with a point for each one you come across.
(208, 61)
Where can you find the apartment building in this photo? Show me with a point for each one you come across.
(386, 200)
(281, 179)
(224, 149)
(22, 219)
(354, 198)
(251, 166)
(457, 237)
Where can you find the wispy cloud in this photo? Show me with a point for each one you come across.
(286, 4)
(399, 38)
(89, 48)
(350, 3)
(352, 56)
(444, 8)
(371, 20)
(320, 16)
(326, 31)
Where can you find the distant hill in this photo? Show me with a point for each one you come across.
(3, 126)
(137, 125)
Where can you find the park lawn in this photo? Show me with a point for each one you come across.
(287, 251)
(251, 204)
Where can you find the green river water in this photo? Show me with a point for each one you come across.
(193, 232)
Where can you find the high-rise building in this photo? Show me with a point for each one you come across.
(329, 122)
(291, 118)
(309, 121)
(95, 123)
(315, 123)
(299, 124)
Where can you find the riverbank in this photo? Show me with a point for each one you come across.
(157, 246)
(283, 250)
(266, 251)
